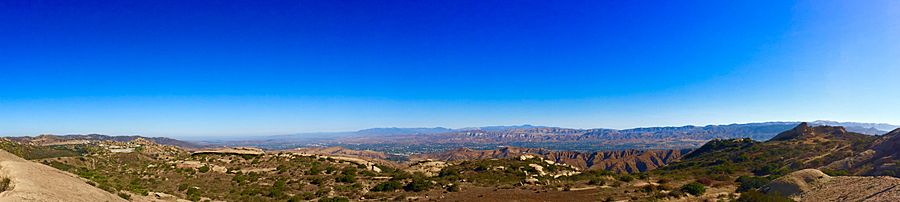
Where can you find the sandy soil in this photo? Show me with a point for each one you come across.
(32, 181)
(813, 185)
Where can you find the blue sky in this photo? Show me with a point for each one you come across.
(224, 68)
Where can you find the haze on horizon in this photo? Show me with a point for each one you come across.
(175, 68)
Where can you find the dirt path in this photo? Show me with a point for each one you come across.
(824, 154)
(32, 181)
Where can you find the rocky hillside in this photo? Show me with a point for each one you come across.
(625, 161)
(882, 157)
(29, 181)
(799, 148)
(48, 140)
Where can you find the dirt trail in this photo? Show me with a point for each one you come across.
(825, 154)
(813, 185)
(32, 181)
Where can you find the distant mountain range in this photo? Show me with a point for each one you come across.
(539, 136)
(763, 130)
(556, 138)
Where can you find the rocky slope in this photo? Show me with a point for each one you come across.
(882, 157)
(31, 181)
(624, 161)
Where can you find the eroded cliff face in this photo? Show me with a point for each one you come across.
(623, 161)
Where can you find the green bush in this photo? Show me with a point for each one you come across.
(748, 183)
(346, 178)
(182, 187)
(193, 194)
(277, 189)
(387, 186)
(769, 170)
(203, 169)
(124, 196)
(418, 185)
(626, 178)
(694, 188)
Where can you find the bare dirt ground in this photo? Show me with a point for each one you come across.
(813, 185)
(32, 181)
(842, 188)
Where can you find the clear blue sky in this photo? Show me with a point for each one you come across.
(193, 68)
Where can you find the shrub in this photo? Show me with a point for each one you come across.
(694, 188)
(296, 198)
(597, 181)
(277, 189)
(418, 185)
(317, 181)
(769, 170)
(182, 187)
(754, 196)
(346, 178)
(664, 181)
(193, 193)
(643, 176)
(626, 178)
(453, 188)
(748, 183)
(124, 196)
(387, 186)
(335, 199)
